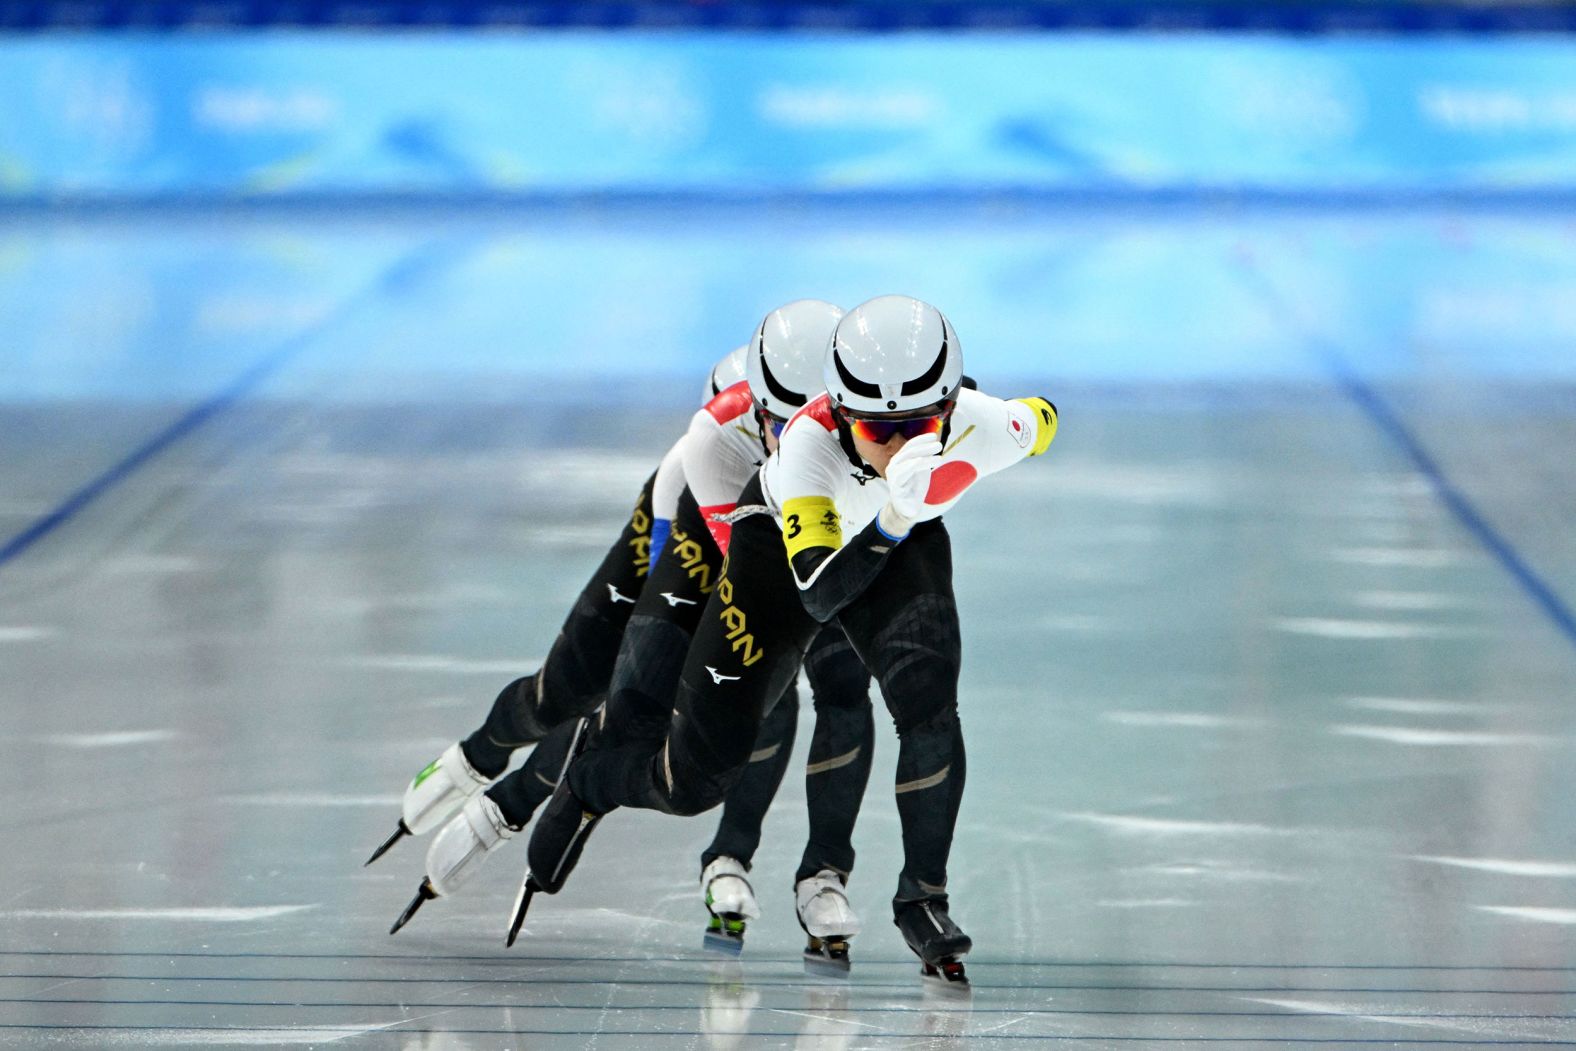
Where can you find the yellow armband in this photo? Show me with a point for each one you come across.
(1046, 413)
(811, 521)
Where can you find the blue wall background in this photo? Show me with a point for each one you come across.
(292, 113)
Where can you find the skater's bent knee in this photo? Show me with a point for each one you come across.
(937, 715)
(693, 791)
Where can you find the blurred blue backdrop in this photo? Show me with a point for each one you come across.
(196, 193)
(138, 115)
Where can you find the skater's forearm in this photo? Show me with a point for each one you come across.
(830, 578)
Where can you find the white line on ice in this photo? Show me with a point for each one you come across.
(150, 564)
(1076, 623)
(1364, 1012)
(311, 799)
(1409, 601)
(1418, 706)
(200, 915)
(1441, 738)
(1174, 484)
(1506, 866)
(1342, 628)
(1143, 903)
(25, 633)
(822, 1018)
(216, 1037)
(1210, 870)
(446, 701)
(459, 596)
(1156, 826)
(1419, 558)
(1194, 720)
(438, 663)
(1534, 913)
(589, 535)
(118, 739)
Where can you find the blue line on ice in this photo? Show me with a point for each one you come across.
(1390, 423)
(390, 281)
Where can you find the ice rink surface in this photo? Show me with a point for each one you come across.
(1270, 672)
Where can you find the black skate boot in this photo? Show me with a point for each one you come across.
(561, 831)
(935, 939)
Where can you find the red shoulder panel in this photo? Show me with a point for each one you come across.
(819, 410)
(732, 403)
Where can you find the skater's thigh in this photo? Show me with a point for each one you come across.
(658, 636)
(747, 648)
(905, 627)
(838, 677)
(685, 572)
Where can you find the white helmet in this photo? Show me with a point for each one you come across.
(893, 355)
(787, 353)
(728, 371)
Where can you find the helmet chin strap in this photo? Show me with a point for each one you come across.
(760, 430)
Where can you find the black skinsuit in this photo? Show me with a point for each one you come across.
(640, 704)
(894, 601)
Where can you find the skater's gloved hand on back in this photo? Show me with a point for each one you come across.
(908, 480)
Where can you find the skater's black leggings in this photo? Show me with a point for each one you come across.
(574, 678)
(747, 649)
(640, 681)
(835, 774)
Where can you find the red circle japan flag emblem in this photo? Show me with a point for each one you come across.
(948, 480)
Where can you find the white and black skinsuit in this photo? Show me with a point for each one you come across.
(892, 596)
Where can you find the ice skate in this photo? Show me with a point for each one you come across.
(561, 831)
(829, 920)
(442, 787)
(936, 940)
(731, 901)
(459, 851)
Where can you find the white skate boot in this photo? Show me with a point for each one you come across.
(442, 787)
(731, 901)
(459, 851)
(829, 920)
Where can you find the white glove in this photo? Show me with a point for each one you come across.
(908, 480)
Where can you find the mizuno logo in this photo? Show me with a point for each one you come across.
(718, 678)
(617, 598)
(674, 600)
